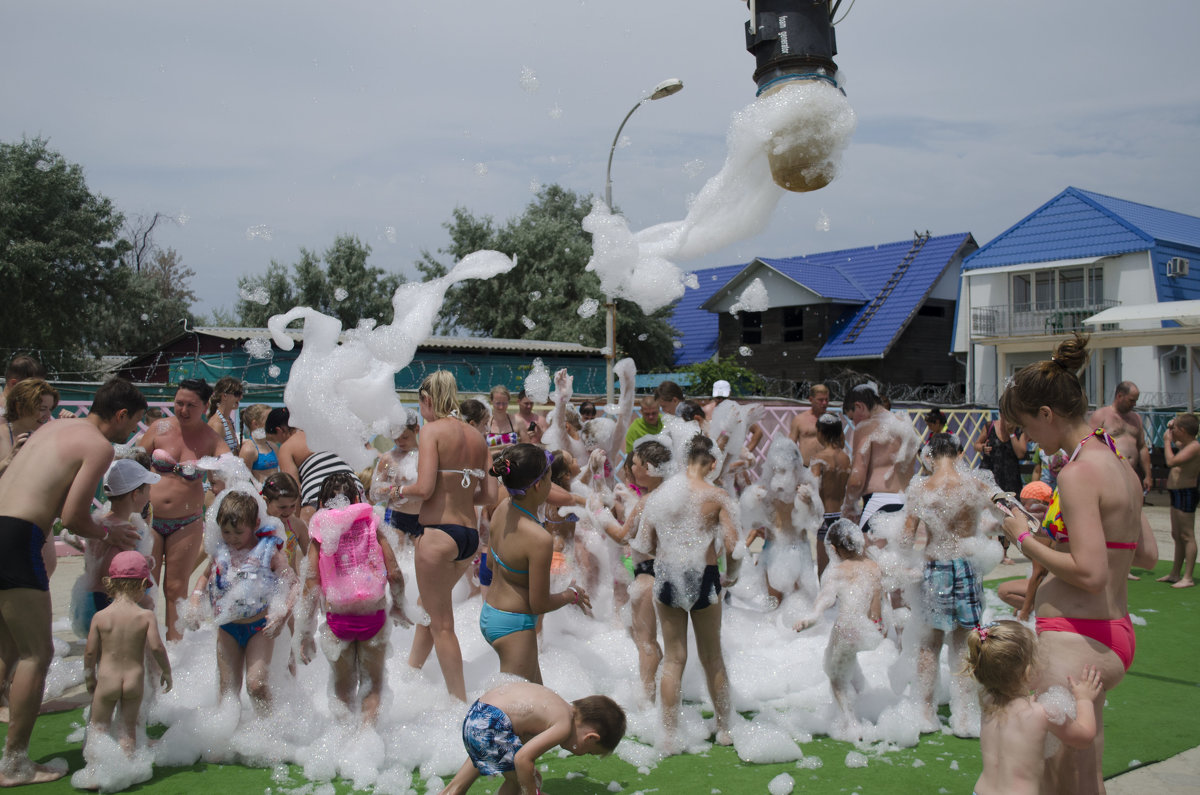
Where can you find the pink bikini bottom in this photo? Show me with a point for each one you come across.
(1116, 634)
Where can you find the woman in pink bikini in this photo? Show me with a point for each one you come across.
(1096, 521)
(175, 445)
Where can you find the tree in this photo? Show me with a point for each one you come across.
(345, 288)
(541, 296)
(152, 306)
(742, 381)
(60, 252)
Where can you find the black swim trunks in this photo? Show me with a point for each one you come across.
(706, 584)
(21, 564)
(645, 567)
(1185, 499)
(466, 538)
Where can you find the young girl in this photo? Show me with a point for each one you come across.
(395, 468)
(260, 453)
(1001, 657)
(281, 493)
(350, 568)
(855, 584)
(520, 557)
(251, 588)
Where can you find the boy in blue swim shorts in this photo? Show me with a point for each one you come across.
(510, 726)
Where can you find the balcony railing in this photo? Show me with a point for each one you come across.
(1020, 320)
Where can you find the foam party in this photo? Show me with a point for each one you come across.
(370, 569)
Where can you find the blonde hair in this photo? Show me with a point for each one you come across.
(131, 587)
(236, 509)
(24, 398)
(499, 389)
(442, 390)
(255, 415)
(1000, 657)
(1053, 383)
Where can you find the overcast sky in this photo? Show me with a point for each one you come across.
(267, 126)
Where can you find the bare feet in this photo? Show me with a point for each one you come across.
(1169, 578)
(1184, 583)
(1133, 577)
(1007, 561)
(21, 770)
(723, 737)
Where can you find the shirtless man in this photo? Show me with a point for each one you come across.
(803, 430)
(884, 458)
(56, 475)
(831, 466)
(1125, 427)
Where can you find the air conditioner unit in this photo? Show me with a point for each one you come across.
(1177, 266)
(1177, 363)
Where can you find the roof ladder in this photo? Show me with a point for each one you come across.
(881, 297)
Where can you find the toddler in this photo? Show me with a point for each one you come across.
(510, 726)
(1001, 657)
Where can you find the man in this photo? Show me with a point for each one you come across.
(669, 395)
(1125, 427)
(649, 423)
(884, 452)
(803, 428)
(526, 416)
(55, 475)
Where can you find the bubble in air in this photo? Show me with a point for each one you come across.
(258, 295)
(481, 169)
(643, 337)
(145, 317)
(42, 165)
(534, 186)
(588, 308)
(182, 218)
(693, 168)
(529, 80)
(537, 383)
(340, 293)
(822, 224)
(535, 295)
(745, 351)
(389, 234)
(677, 344)
(258, 347)
(528, 323)
(274, 371)
(692, 281)
(259, 232)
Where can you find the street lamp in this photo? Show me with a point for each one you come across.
(664, 89)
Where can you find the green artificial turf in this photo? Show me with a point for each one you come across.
(1150, 717)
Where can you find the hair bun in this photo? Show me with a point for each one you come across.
(1072, 353)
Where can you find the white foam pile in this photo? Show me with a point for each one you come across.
(344, 394)
(734, 204)
(753, 299)
(537, 383)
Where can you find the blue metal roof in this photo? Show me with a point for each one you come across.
(1078, 223)
(872, 271)
(852, 276)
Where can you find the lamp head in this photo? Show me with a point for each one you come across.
(666, 88)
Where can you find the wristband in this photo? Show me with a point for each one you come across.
(1021, 538)
(574, 594)
(107, 532)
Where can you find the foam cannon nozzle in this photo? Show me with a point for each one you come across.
(793, 41)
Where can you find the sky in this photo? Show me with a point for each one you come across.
(268, 126)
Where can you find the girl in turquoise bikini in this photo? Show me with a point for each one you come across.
(520, 554)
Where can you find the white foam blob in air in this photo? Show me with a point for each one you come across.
(537, 383)
(588, 308)
(529, 80)
(258, 347)
(822, 224)
(753, 299)
(340, 294)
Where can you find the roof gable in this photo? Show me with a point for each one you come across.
(697, 328)
(1078, 223)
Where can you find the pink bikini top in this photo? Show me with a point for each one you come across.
(164, 463)
(1053, 524)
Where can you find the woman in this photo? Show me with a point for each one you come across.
(258, 452)
(451, 477)
(520, 560)
(226, 395)
(501, 431)
(27, 407)
(1001, 448)
(175, 445)
(685, 522)
(1096, 519)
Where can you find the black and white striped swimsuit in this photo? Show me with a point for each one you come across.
(313, 472)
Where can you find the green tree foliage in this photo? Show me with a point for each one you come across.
(703, 374)
(152, 307)
(345, 287)
(60, 252)
(547, 286)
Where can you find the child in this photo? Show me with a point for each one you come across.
(855, 584)
(398, 467)
(259, 453)
(1181, 483)
(1001, 657)
(350, 566)
(251, 588)
(114, 661)
(510, 726)
(1035, 497)
(831, 466)
(127, 485)
(281, 493)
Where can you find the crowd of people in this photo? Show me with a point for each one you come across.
(657, 521)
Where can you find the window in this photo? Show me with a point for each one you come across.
(751, 328)
(1057, 288)
(927, 310)
(793, 324)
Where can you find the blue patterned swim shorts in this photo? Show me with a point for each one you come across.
(490, 740)
(953, 595)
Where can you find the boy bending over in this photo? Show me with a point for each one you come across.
(510, 726)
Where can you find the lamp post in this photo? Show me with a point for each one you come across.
(664, 89)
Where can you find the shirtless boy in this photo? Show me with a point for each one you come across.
(115, 660)
(1125, 427)
(831, 466)
(803, 430)
(56, 475)
(884, 457)
(1181, 484)
(510, 726)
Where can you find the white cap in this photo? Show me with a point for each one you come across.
(720, 388)
(125, 475)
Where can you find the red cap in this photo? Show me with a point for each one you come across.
(129, 565)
